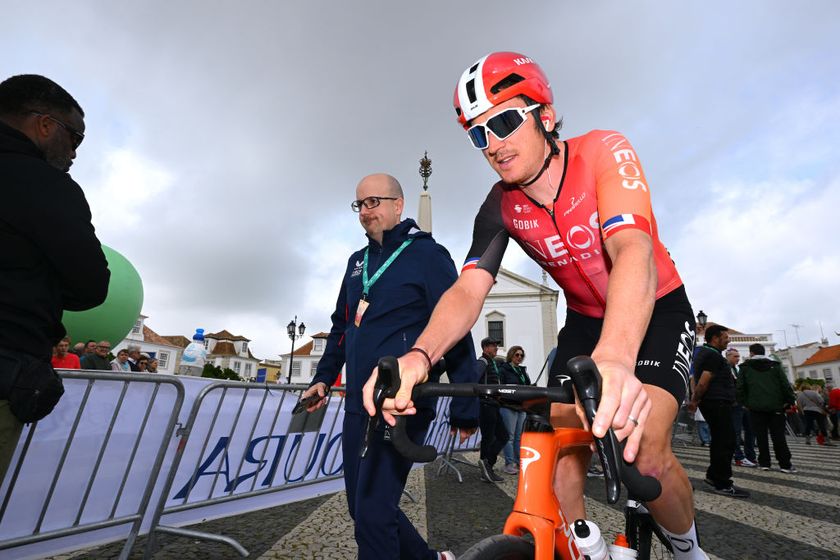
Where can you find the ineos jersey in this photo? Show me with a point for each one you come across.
(603, 190)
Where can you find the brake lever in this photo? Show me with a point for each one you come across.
(387, 385)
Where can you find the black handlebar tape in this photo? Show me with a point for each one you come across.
(407, 448)
(585, 378)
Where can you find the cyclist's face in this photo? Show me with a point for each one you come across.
(520, 156)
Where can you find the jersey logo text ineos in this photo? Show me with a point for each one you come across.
(628, 163)
(552, 252)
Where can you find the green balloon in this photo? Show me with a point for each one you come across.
(115, 318)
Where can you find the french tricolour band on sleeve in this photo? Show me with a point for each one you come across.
(625, 221)
(470, 264)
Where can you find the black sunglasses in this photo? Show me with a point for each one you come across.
(75, 135)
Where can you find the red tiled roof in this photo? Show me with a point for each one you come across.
(177, 340)
(304, 350)
(700, 329)
(321, 335)
(151, 336)
(224, 349)
(226, 335)
(824, 355)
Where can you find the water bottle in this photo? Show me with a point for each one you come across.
(620, 549)
(192, 360)
(589, 541)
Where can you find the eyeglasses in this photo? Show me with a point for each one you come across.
(501, 124)
(77, 136)
(370, 202)
(104, 347)
(519, 355)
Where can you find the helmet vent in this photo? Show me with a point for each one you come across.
(471, 90)
(473, 68)
(509, 80)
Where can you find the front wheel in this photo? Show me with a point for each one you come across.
(500, 547)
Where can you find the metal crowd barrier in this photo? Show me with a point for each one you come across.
(240, 417)
(124, 508)
(234, 396)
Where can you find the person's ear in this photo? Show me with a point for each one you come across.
(547, 117)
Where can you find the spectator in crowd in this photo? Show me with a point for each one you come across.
(143, 362)
(99, 359)
(714, 393)
(120, 363)
(494, 435)
(79, 349)
(811, 403)
(90, 347)
(744, 455)
(834, 411)
(153, 366)
(764, 391)
(62, 359)
(386, 298)
(513, 373)
(51, 260)
(133, 356)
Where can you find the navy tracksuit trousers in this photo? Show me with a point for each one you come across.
(374, 487)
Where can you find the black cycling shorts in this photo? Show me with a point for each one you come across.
(664, 357)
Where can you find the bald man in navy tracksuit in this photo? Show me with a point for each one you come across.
(415, 272)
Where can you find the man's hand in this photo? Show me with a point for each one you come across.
(413, 371)
(691, 407)
(465, 432)
(319, 389)
(622, 397)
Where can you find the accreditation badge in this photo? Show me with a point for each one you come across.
(360, 311)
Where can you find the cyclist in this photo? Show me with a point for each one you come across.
(581, 209)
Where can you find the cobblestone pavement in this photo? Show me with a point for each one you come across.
(788, 515)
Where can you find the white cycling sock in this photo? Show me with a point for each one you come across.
(685, 545)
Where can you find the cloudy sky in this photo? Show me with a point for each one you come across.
(225, 139)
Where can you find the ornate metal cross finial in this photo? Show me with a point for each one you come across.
(425, 169)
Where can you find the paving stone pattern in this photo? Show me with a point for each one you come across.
(788, 516)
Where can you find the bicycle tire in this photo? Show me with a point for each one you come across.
(645, 537)
(500, 547)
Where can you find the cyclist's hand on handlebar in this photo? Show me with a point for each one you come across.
(465, 432)
(622, 397)
(412, 372)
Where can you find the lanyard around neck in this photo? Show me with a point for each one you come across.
(368, 283)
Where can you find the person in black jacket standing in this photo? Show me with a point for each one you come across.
(50, 258)
(714, 393)
(494, 435)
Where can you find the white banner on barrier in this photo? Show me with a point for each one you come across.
(243, 440)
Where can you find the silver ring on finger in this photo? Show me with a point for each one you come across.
(636, 422)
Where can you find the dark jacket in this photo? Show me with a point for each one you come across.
(763, 386)
(50, 258)
(722, 384)
(514, 375)
(400, 304)
(488, 370)
(94, 361)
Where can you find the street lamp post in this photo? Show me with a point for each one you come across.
(294, 330)
(701, 319)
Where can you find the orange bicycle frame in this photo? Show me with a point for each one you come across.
(536, 509)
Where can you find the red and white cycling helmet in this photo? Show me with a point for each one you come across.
(494, 79)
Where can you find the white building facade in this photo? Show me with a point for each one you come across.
(167, 354)
(305, 361)
(520, 312)
(227, 350)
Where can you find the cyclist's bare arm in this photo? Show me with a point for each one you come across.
(631, 294)
(453, 317)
